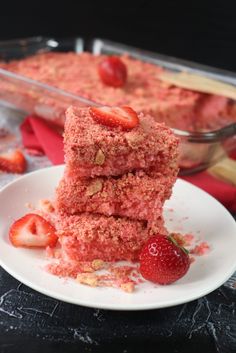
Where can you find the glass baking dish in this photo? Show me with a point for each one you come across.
(198, 150)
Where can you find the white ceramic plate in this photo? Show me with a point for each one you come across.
(189, 210)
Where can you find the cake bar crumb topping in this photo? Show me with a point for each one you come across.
(100, 158)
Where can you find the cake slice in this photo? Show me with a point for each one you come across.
(93, 149)
(87, 236)
(138, 195)
(116, 180)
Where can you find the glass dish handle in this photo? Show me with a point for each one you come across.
(211, 136)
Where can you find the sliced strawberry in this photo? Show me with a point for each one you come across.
(124, 117)
(13, 162)
(32, 231)
(112, 71)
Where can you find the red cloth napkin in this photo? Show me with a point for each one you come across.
(41, 136)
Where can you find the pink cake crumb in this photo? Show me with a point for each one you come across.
(201, 249)
(109, 280)
(183, 239)
(46, 206)
(122, 277)
(89, 273)
(191, 243)
(64, 268)
(188, 239)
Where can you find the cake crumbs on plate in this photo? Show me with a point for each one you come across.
(200, 249)
(96, 280)
(96, 273)
(192, 244)
(46, 206)
(90, 279)
(30, 206)
(100, 273)
(107, 280)
(183, 239)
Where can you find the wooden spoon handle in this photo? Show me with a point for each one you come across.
(225, 170)
(198, 83)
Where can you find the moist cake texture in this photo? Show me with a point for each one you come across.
(92, 149)
(135, 195)
(89, 236)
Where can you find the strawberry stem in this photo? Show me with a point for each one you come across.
(176, 243)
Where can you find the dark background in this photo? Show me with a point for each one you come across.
(201, 31)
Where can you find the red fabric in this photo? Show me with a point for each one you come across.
(41, 136)
(222, 191)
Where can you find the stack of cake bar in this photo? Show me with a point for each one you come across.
(110, 199)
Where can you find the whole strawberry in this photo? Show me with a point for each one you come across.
(163, 261)
(112, 71)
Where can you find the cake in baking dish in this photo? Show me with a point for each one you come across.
(144, 90)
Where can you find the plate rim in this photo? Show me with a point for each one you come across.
(135, 307)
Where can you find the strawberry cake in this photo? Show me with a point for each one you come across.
(90, 236)
(107, 210)
(92, 149)
(136, 195)
(114, 81)
(104, 213)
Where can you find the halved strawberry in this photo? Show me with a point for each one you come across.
(32, 231)
(124, 117)
(13, 162)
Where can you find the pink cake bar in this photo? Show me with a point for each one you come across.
(88, 236)
(93, 149)
(137, 195)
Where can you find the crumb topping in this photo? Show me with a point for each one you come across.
(93, 149)
(100, 158)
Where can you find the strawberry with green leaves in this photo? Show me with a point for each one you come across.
(163, 261)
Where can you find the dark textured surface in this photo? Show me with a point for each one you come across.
(31, 322)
